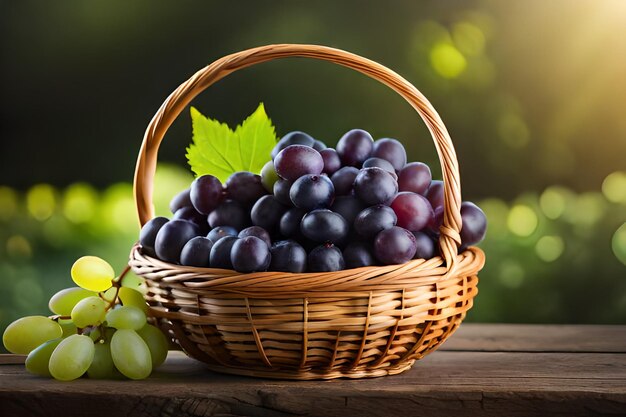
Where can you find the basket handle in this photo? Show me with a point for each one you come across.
(146, 163)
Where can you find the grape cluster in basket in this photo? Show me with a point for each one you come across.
(98, 329)
(313, 209)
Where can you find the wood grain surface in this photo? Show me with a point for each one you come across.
(484, 370)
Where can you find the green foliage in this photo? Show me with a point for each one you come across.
(220, 151)
(563, 266)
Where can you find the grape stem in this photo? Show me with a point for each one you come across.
(57, 317)
(117, 284)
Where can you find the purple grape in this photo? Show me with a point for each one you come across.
(343, 180)
(390, 150)
(297, 160)
(380, 163)
(245, 188)
(474, 223)
(318, 145)
(374, 219)
(325, 258)
(434, 194)
(414, 177)
(206, 193)
(312, 191)
(148, 235)
(267, 213)
(355, 147)
(230, 213)
(413, 210)
(357, 255)
(192, 215)
(220, 232)
(180, 200)
(292, 138)
(196, 252)
(331, 161)
(425, 246)
(171, 239)
(375, 186)
(394, 246)
(256, 231)
(287, 256)
(220, 253)
(324, 226)
(349, 207)
(281, 191)
(250, 254)
(436, 222)
(290, 223)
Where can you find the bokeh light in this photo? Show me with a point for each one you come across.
(522, 220)
(41, 201)
(585, 210)
(469, 38)
(80, 203)
(429, 32)
(118, 207)
(549, 248)
(614, 187)
(447, 61)
(553, 201)
(18, 247)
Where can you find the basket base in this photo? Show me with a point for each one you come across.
(304, 375)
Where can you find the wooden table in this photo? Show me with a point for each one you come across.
(483, 370)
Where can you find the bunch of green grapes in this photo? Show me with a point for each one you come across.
(98, 328)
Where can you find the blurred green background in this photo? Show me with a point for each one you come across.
(533, 94)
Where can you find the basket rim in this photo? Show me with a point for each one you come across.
(414, 273)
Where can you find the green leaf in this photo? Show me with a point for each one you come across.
(258, 138)
(218, 151)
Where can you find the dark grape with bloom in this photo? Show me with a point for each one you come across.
(312, 209)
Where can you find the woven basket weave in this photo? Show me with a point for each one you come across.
(356, 323)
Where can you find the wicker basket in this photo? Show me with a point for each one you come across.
(355, 323)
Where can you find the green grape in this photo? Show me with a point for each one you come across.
(102, 366)
(68, 326)
(157, 343)
(126, 317)
(25, 334)
(109, 295)
(64, 301)
(131, 297)
(89, 312)
(92, 273)
(130, 354)
(108, 334)
(72, 358)
(38, 359)
(134, 282)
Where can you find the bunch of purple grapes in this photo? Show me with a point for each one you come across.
(313, 209)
